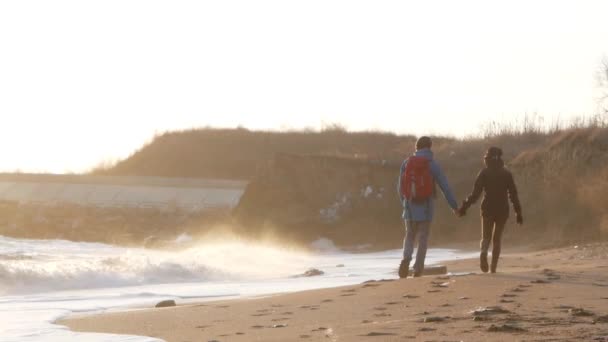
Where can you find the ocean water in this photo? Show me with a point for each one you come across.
(42, 281)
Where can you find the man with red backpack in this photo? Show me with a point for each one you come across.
(417, 181)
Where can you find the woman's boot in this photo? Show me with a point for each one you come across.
(483, 262)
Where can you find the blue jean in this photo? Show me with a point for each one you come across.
(421, 231)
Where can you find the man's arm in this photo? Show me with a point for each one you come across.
(441, 179)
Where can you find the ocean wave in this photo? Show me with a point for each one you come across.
(33, 266)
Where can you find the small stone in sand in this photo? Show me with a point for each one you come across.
(442, 285)
(279, 326)
(490, 310)
(371, 285)
(165, 304)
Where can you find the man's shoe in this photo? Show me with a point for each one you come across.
(404, 268)
(483, 262)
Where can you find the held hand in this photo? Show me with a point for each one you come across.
(457, 212)
(520, 219)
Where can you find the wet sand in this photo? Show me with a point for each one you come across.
(550, 295)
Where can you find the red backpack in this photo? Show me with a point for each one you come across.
(417, 183)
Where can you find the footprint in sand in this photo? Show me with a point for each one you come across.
(393, 303)
(426, 329)
(349, 290)
(507, 301)
(383, 314)
(320, 329)
(260, 314)
(347, 295)
(327, 301)
(257, 327)
(371, 285)
(280, 319)
(408, 296)
(434, 319)
(508, 295)
(288, 313)
(376, 334)
(305, 336)
(433, 291)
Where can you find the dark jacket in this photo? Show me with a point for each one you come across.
(498, 186)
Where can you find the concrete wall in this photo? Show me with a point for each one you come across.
(147, 192)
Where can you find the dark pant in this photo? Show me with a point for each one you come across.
(491, 229)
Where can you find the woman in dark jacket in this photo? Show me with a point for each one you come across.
(498, 187)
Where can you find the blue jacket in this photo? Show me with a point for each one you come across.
(425, 211)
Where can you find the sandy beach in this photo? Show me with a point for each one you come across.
(549, 295)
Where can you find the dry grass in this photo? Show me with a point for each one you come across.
(561, 170)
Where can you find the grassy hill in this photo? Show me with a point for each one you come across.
(341, 185)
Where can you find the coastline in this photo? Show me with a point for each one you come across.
(541, 293)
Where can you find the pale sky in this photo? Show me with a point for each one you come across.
(86, 81)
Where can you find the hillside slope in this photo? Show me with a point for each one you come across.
(340, 185)
(241, 154)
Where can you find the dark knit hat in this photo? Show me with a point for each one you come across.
(493, 153)
(423, 142)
